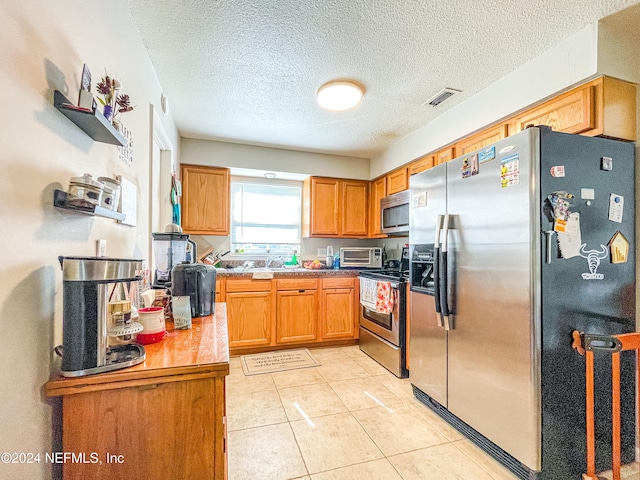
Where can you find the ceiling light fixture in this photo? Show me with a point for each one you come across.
(340, 95)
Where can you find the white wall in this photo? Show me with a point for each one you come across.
(223, 154)
(570, 62)
(44, 46)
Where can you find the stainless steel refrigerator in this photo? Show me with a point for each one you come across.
(512, 248)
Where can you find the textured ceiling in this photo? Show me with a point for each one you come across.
(247, 71)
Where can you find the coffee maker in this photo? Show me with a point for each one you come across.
(170, 248)
(86, 282)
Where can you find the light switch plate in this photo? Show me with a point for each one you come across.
(321, 252)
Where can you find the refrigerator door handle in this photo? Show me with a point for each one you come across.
(436, 270)
(444, 270)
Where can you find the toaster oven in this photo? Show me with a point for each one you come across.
(360, 257)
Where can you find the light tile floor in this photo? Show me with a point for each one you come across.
(348, 419)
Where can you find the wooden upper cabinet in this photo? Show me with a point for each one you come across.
(422, 164)
(355, 202)
(205, 199)
(378, 191)
(572, 112)
(615, 107)
(446, 154)
(397, 181)
(323, 198)
(606, 106)
(335, 207)
(482, 139)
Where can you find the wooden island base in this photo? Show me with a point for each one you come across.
(164, 418)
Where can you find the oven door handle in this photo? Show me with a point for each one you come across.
(444, 274)
(436, 270)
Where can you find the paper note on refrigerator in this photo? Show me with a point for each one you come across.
(570, 239)
(616, 207)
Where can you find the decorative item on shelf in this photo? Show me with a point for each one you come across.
(85, 97)
(113, 101)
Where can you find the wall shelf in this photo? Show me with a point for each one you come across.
(93, 123)
(60, 201)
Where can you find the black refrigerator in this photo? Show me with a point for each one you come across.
(513, 247)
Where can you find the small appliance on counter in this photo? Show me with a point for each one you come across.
(361, 257)
(198, 282)
(86, 328)
(170, 248)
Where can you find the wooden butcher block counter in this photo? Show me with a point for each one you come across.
(163, 418)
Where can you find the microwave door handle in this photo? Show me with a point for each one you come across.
(436, 270)
(444, 274)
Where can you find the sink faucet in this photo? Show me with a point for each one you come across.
(274, 262)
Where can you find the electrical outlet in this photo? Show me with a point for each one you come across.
(101, 248)
(321, 252)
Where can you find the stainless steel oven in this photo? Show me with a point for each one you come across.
(383, 335)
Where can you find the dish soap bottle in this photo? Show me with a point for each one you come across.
(294, 258)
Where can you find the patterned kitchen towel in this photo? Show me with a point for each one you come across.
(384, 298)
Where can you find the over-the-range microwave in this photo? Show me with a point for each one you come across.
(360, 257)
(394, 212)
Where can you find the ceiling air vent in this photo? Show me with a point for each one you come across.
(441, 96)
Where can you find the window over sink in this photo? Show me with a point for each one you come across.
(265, 216)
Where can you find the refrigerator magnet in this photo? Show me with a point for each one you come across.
(616, 207)
(606, 164)
(557, 171)
(619, 248)
(474, 164)
(487, 154)
(466, 168)
(593, 260)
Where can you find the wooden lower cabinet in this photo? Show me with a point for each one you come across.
(297, 316)
(163, 418)
(291, 311)
(338, 309)
(150, 431)
(250, 319)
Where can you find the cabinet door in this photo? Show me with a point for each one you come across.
(142, 424)
(378, 191)
(482, 139)
(205, 200)
(422, 164)
(445, 155)
(397, 181)
(297, 316)
(250, 319)
(325, 206)
(572, 112)
(339, 318)
(354, 199)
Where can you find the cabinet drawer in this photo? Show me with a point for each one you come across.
(341, 282)
(248, 285)
(297, 284)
